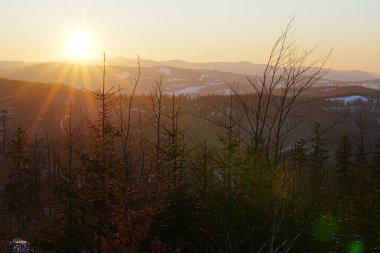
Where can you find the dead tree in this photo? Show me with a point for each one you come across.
(4, 117)
(270, 117)
(157, 97)
(125, 126)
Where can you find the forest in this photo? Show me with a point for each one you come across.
(245, 172)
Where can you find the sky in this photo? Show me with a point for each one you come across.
(194, 30)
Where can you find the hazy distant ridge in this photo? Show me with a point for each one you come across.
(243, 67)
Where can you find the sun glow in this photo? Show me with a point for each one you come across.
(80, 45)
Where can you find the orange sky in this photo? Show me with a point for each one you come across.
(197, 30)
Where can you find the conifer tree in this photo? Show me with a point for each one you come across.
(203, 172)
(361, 165)
(375, 173)
(299, 158)
(343, 163)
(4, 117)
(174, 149)
(318, 157)
(16, 187)
(70, 203)
(343, 173)
(103, 164)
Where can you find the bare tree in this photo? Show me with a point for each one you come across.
(270, 118)
(266, 119)
(125, 125)
(4, 117)
(156, 97)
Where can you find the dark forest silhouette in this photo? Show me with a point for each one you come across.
(128, 178)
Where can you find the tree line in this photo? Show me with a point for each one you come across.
(123, 180)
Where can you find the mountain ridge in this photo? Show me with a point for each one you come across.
(239, 67)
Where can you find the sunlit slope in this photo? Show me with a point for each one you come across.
(38, 107)
(175, 80)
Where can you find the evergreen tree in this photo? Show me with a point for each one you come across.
(16, 188)
(318, 157)
(203, 173)
(299, 160)
(361, 167)
(102, 184)
(376, 155)
(174, 149)
(70, 205)
(4, 118)
(343, 174)
(343, 163)
(375, 173)
(361, 156)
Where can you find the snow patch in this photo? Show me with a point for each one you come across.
(187, 90)
(165, 71)
(374, 86)
(216, 82)
(336, 108)
(123, 75)
(202, 77)
(324, 81)
(328, 89)
(325, 84)
(225, 91)
(63, 120)
(173, 79)
(349, 99)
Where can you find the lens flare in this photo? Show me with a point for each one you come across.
(80, 45)
(355, 247)
(325, 228)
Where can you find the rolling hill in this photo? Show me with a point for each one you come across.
(186, 79)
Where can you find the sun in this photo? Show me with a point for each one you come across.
(80, 45)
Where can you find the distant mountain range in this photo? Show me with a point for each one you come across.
(37, 107)
(243, 67)
(179, 77)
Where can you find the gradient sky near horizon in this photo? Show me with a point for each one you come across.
(196, 30)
